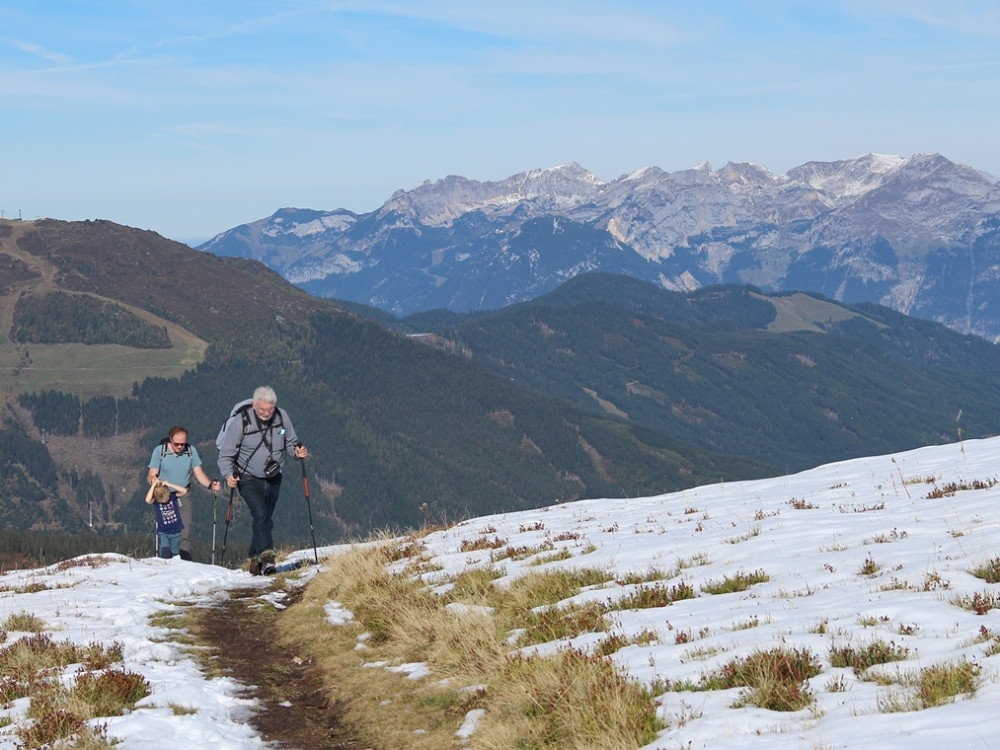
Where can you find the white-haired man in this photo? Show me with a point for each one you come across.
(253, 448)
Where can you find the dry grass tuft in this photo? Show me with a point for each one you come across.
(776, 679)
(464, 638)
(933, 686)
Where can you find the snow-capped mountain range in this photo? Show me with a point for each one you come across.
(920, 235)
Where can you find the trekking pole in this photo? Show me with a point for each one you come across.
(215, 505)
(229, 517)
(305, 485)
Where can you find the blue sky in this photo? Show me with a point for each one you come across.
(189, 118)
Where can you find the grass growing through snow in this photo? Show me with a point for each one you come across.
(988, 571)
(507, 647)
(466, 633)
(68, 686)
(735, 583)
(24, 621)
(933, 686)
(776, 679)
(571, 699)
(861, 658)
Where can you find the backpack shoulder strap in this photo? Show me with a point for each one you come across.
(163, 450)
(243, 408)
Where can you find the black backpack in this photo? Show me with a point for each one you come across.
(243, 410)
(164, 448)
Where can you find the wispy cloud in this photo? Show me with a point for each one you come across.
(36, 50)
(972, 18)
(403, 90)
(230, 29)
(561, 22)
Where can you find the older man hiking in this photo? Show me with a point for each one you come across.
(254, 445)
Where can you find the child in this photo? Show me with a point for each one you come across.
(163, 496)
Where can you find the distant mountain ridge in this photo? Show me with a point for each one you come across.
(920, 235)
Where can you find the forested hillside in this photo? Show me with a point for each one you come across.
(605, 387)
(706, 368)
(59, 318)
(400, 434)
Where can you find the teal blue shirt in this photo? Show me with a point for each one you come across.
(173, 468)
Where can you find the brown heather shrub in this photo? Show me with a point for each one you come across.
(860, 659)
(86, 561)
(775, 679)
(657, 595)
(470, 545)
(111, 691)
(979, 602)
(951, 488)
(49, 725)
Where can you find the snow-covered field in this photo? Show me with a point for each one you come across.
(870, 550)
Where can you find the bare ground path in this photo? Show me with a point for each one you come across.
(294, 710)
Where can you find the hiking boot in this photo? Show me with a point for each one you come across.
(255, 567)
(267, 563)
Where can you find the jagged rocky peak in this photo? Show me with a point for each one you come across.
(451, 195)
(568, 172)
(934, 170)
(642, 175)
(865, 164)
(845, 180)
(441, 202)
(745, 172)
(567, 180)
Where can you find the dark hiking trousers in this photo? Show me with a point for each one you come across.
(260, 495)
